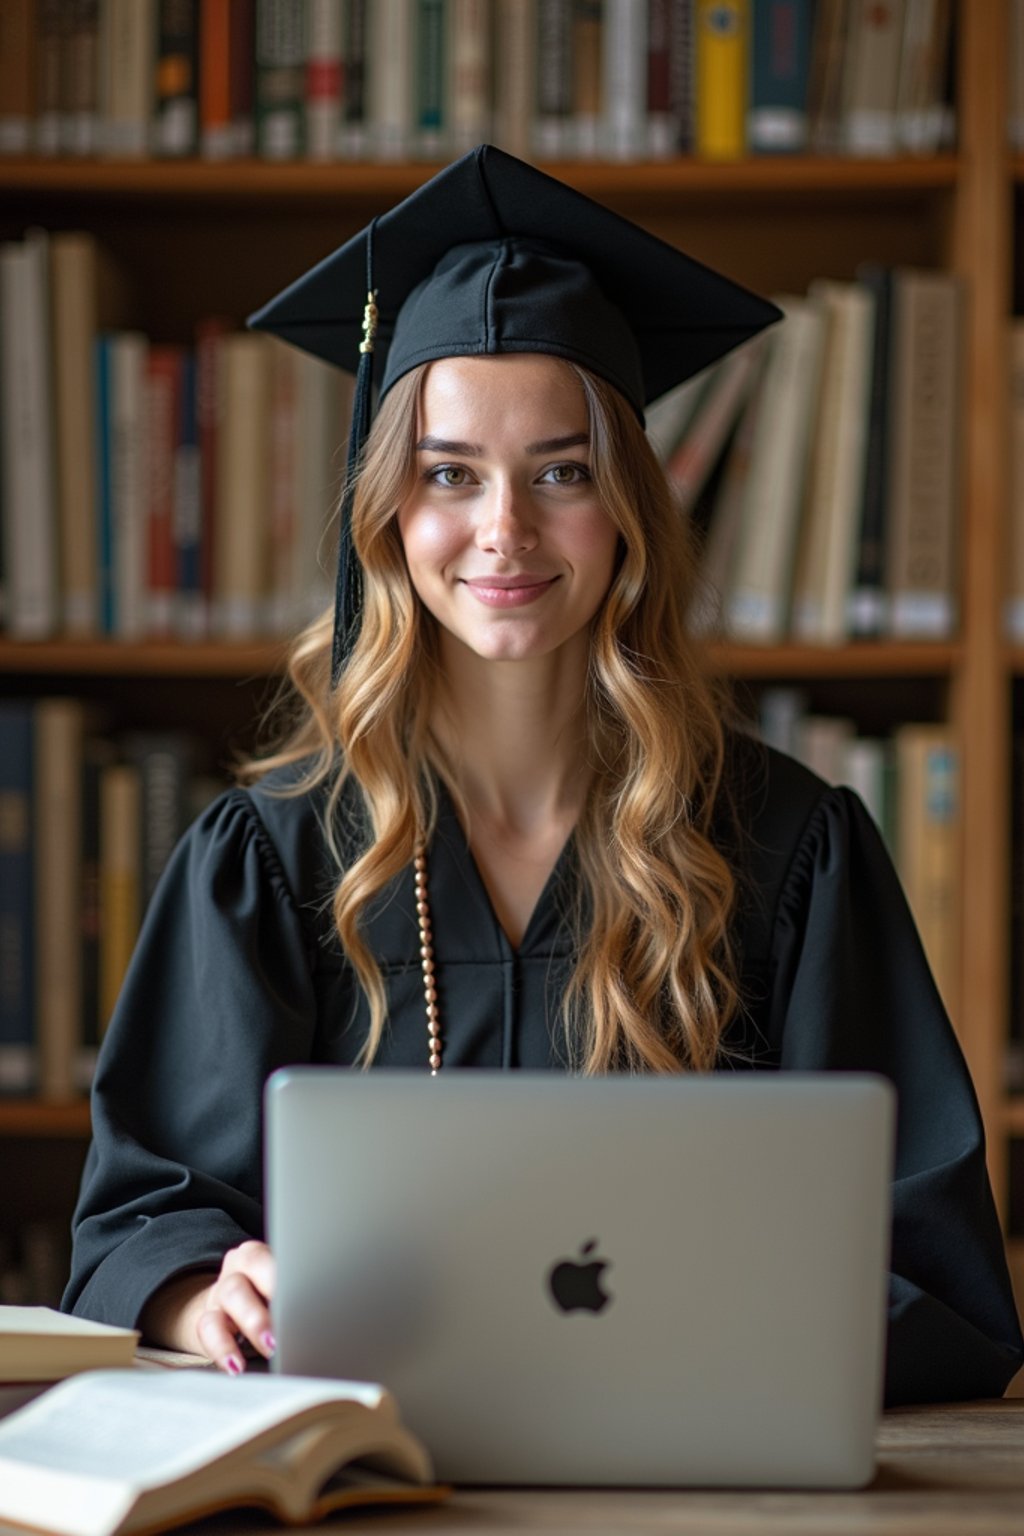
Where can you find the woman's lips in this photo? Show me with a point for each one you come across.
(509, 592)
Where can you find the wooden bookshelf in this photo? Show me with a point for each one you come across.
(30, 1117)
(206, 238)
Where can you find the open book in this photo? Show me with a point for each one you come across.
(133, 1451)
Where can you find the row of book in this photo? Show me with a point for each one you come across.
(350, 79)
(822, 464)
(153, 490)
(910, 782)
(87, 824)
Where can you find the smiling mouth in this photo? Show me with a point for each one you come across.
(509, 591)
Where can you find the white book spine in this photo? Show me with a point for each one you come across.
(129, 481)
(30, 552)
(74, 335)
(871, 78)
(515, 24)
(470, 56)
(863, 770)
(390, 60)
(324, 68)
(128, 38)
(624, 90)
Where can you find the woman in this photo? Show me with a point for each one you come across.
(510, 828)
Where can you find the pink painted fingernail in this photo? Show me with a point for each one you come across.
(234, 1365)
(268, 1341)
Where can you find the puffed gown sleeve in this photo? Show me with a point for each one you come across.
(217, 995)
(851, 990)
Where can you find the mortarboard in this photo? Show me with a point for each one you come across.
(490, 256)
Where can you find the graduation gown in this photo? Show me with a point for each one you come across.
(238, 971)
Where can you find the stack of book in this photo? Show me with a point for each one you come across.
(823, 465)
(155, 490)
(86, 827)
(322, 80)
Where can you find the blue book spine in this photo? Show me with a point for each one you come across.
(105, 572)
(777, 121)
(17, 902)
(188, 530)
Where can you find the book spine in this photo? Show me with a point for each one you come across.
(825, 84)
(777, 119)
(83, 126)
(469, 49)
(128, 482)
(430, 65)
(280, 65)
(864, 770)
(661, 125)
(515, 31)
(868, 607)
(163, 391)
(323, 408)
(928, 840)
(17, 916)
(625, 79)
(120, 877)
(284, 483)
(57, 843)
(242, 77)
(924, 463)
(105, 585)
(693, 460)
(553, 111)
(586, 54)
(97, 755)
(216, 130)
(871, 77)
(19, 43)
(723, 66)
(356, 105)
(176, 91)
(324, 80)
(129, 43)
(209, 416)
(243, 479)
(191, 608)
(392, 36)
(721, 544)
(1015, 595)
(75, 314)
(51, 24)
(163, 761)
(683, 74)
(30, 552)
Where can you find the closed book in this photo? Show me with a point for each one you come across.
(242, 77)
(392, 62)
(82, 110)
(863, 769)
(57, 844)
(921, 86)
(515, 30)
(825, 85)
(356, 104)
(625, 80)
(871, 74)
(723, 69)
(552, 128)
(836, 482)
(924, 470)
(176, 104)
(280, 61)
(758, 598)
(725, 529)
(702, 444)
(52, 18)
(928, 846)
(469, 75)
(216, 128)
(431, 64)
(17, 904)
(18, 41)
(683, 73)
(586, 47)
(42, 1344)
(867, 614)
(780, 66)
(164, 762)
(1015, 585)
(30, 554)
(662, 136)
(780, 711)
(127, 51)
(191, 606)
(324, 80)
(667, 418)
(163, 408)
(104, 493)
(120, 878)
(821, 744)
(243, 480)
(128, 351)
(98, 753)
(194, 616)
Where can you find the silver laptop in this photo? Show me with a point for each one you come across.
(593, 1281)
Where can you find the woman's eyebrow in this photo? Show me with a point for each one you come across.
(432, 444)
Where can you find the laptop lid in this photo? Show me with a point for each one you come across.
(661, 1281)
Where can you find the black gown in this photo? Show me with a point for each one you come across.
(238, 971)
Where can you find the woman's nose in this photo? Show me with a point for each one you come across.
(506, 524)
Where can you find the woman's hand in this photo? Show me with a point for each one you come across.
(202, 1317)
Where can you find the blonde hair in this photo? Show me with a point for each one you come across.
(653, 987)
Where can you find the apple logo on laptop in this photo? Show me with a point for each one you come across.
(577, 1287)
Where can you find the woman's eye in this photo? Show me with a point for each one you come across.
(447, 474)
(569, 474)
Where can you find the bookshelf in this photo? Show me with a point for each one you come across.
(200, 238)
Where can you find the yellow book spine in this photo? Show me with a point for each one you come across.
(723, 70)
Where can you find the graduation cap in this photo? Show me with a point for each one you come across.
(492, 256)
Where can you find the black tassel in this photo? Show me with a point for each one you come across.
(348, 587)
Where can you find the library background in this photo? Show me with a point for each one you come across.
(168, 480)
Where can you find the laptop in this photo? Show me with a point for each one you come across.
(592, 1281)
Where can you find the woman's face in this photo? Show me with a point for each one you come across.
(505, 540)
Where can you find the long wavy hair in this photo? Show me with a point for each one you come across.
(653, 987)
